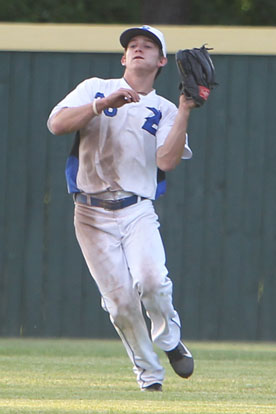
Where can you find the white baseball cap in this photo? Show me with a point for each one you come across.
(148, 31)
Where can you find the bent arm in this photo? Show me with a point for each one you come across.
(69, 120)
(170, 153)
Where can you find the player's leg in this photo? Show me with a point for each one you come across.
(100, 240)
(146, 260)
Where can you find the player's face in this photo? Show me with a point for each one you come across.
(143, 53)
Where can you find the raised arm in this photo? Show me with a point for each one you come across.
(169, 154)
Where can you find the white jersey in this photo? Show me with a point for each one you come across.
(117, 150)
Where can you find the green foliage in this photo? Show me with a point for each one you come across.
(260, 12)
(198, 12)
(234, 12)
(69, 11)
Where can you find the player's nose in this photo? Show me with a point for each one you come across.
(138, 47)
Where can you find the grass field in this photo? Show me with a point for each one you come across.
(87, 376)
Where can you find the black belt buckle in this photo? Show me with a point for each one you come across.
(119, 204)
(111, 204)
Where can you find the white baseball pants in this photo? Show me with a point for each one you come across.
(125, 255)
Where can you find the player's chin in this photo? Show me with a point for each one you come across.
(139, 63)
(145, 67)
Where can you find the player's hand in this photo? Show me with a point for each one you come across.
(186, 103)
(121, 97)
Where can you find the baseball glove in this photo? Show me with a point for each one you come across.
(197, 73)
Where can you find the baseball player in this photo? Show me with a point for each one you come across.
(125, 132)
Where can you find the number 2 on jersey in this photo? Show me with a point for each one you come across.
(152, 121)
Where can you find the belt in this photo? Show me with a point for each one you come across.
(107, 204)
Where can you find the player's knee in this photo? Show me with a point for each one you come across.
(122, 308)
(125, 315)
(153, 287)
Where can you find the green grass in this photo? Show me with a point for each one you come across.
(85, 376)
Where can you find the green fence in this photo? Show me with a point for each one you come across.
(218, 218)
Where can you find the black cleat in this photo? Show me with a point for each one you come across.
(181, 360)
(153, 387)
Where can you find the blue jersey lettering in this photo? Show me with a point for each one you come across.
(109, 111)
(152, 120)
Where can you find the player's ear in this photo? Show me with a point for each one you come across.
(123, 60)
(162, 62)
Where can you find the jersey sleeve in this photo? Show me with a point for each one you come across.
(83, 94)
(164, 128)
